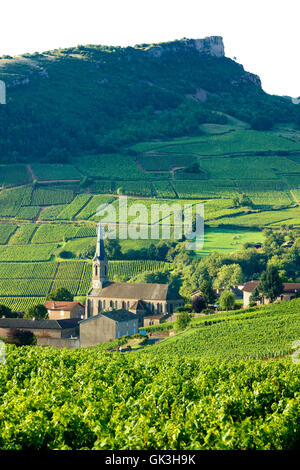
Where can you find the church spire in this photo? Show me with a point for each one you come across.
(100, 250)
(100, 262)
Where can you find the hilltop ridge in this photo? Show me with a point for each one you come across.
(102, 99)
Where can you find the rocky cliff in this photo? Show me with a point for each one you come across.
(212, 45)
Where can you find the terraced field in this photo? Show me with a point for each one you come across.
(39, 221)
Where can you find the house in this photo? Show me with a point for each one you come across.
(139, 298)
(44, 328)
(107, 326)
(58, 310)
(154, 319)
(290, 292)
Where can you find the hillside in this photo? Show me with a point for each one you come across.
(161, 123)
(258, 333)
(99, 99)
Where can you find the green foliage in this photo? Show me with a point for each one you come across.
(270, 283)
(257, 333)
(60, 294)
(6, 230)
(146, 403)
(41, 252)
(45, 172)
(255, 296)
(183, 319)
(20, 337)
(157, 96)
(228, 276)
(38, 312)
(48, 197)
(198, 304)
(5, 311)
(227, 300)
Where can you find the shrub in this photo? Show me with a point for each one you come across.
(37, 311)
(20, 337)
(182, 321)
(227, 300)
(60, 294)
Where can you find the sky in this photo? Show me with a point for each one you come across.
(263, 35)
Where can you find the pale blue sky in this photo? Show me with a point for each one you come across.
(263, 34)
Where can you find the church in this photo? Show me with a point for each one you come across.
(141, 299)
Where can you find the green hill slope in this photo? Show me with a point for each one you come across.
(264, 333)
(96, 98)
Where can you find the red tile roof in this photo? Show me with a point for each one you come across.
(60, 305)
(288, 286)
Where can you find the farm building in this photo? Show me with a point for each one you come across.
(291, 290)
(139, 298)
(44, 328)
(107, 326)
(58, 310)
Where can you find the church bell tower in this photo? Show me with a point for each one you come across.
(100, 262)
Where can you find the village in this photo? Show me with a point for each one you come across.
(117, 309)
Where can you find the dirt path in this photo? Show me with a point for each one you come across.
(31, 172)
(54, 278)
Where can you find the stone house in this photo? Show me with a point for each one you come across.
(154, 319)
(291, 290)
(58, 310)
(47, 328)
(107, 326)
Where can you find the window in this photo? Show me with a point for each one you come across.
(104, 303)
(99, 306)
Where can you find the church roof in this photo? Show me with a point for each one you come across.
(139, 305)
(117, 316)
(143, 291)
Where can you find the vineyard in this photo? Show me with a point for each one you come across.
(25, 280)
(45, 172)
(146, 403)
(262, 334)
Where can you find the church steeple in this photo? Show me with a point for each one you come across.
(100, 262)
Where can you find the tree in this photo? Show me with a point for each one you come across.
(5, 311)
(60, 294)
(255, 296)
(207, 291)
(242, 200)
(270, 283)
(37, 311)
(182, 321)
(112, 248)
(20, 337)
(198, 304)
(227, 300)
(262, 123)
(229, 275)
